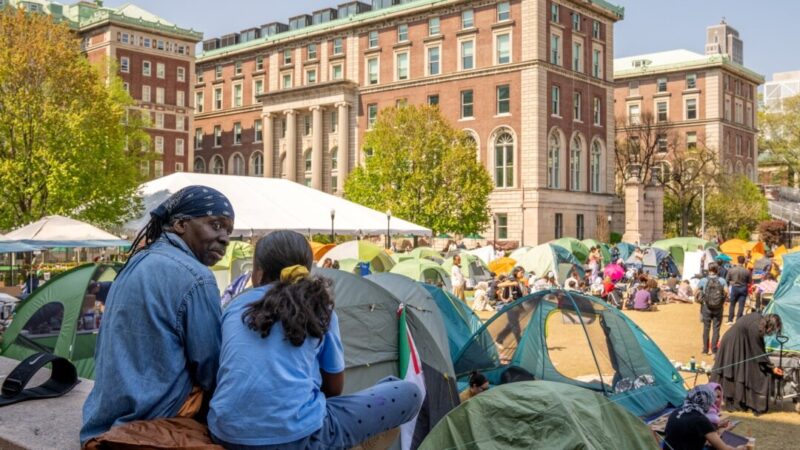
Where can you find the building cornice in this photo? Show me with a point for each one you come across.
(711, 62)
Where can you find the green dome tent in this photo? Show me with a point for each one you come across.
(238, 259)
(574, 246)
(425, 253)
(423, 270)
(688, 244)
(786, 303)
(571, 338)
(362, 251)
(539, 415)
(519, 253)
(604, 249)
(551, 258)
(472, 267)
(60, 318)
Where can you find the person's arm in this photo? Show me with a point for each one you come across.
(331, 360)
(200, 327)
(717, 443)
(332, 383)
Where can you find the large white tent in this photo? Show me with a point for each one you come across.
(60, 231)
(262, 205)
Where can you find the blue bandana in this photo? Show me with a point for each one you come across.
(194, 201)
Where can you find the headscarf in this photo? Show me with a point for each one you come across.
(716, 407)
(194, 201)
(698, 399)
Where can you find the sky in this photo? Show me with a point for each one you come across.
(768, 28)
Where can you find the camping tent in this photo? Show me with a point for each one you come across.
(568, 337)
(60, 231)
(688, 244)
(362, 251)
(519, 253)
(61, 318)
(487, 254)
(737, 247)
(574, 246)
(368, 325)
(264, 204)
(503, 265)
(472, 267)
(539, 414)
(238, 259)
(604, 249)
(423, 270)
(653, 259)
(786, 303)
(625, 250)
(551, 258)
(318, 249)
(424, 252)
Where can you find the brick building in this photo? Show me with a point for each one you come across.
(698, 99)
(530, 80)
(155, 60)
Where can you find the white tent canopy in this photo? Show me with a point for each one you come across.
(262, 205)
(60, 231)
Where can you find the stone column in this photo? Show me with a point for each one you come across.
(291, 145)
(634, 211)
(269, 151)
(316, 147)
(342, 155)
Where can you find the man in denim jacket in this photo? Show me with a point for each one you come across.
(160, 334)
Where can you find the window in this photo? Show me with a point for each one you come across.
(198, 138)
(503, 99)
(312, 51)
(158, 169)
(555, 108)
(258, 89)
(575, 163)
(373, 39)
(662, 143)
(634, 114)
(555, 49)
(596, 29)
(146, 42)
(554, 161)
(738, 146)
(257, 131)
(180, 98)
(576, 106)
(160, 44)
(504, 160)
(727, 108)
(466, 104)
(402, 33)
(179, 147)
(178, 167)
(218, 71)
(372, 71)
(160, 71)
(401, 62)
(237, 133)
(217, 136)
(181, 74)
(144, 168)
(217, 165)
(691, 140)
(198, 102)
(307, 125)
(372, 115)
(311, 76)
(503, 11)
(691, 109)
(127, 87)
(554, 13)
(338, 46)
(287, 80)
(433, 99)
(334, 121)
(146, 68)
(597, 112)
(661, 112)
(503, 48)
(259, 63)
(691, 81)
(502, 226)
(308, 161)
(257, 164)
(159, 144)
(433, 26)
(124, 64)
(576, 21)
(597, 63)
(123, 37)
(401, 103)
(467, 55)
(160, 95)
(237, 95)
(336, 72)
(559, 232)
(577, 57)
(146, 93)
(467, 18)
(433, 60)
(633, 88)
(198, 74)
(595, 168)
(237, 165)
(579, 226)
(287, 57)
(661, 85)
(217, 99)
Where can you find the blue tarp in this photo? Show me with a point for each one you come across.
(16, 247)
(39, 245)
(786, 303)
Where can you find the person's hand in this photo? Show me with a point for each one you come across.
(778, 372)
(724, 423)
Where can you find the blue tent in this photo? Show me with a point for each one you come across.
(654, 260)
(571, 338)
(786, 303)
(625, 250)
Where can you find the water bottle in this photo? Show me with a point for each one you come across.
(692, 364)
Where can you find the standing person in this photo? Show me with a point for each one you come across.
(738, 279)
(282, 365)
(327, 263)
(711, 291)
(159, 340)
(457, 278)
(742, 366)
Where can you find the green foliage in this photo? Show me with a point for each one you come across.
(64, 127)
(736, 207)
(423, 170)
(779, 136)
(772, 231)
(614, 238)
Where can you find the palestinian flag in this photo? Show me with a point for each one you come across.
(410, 370)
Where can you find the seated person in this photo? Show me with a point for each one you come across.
(642, 300)
(713, 413)
(481, 300)
(477, 384)
(688, 428)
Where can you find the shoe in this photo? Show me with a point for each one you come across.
(729, 323)
(705, 352)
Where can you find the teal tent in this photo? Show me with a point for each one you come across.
(574, 246)
(625, 250)
(571, 338)
(60, 317)
(786, 303)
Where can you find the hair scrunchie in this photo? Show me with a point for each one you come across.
(293, 274)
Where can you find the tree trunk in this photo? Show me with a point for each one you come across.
(685, 221)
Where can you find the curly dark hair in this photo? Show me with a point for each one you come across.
(303, 308)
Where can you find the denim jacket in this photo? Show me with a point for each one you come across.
(159, 336)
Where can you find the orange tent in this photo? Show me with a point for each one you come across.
(502, 265)
(319, 249)
(733, 247)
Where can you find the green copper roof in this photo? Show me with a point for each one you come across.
(711, 60)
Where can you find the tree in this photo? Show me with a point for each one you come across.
(779, 136)
(423, 170)
(691, 169)
(736, 207)
(643, 143)
(64, 128)
(772, 231)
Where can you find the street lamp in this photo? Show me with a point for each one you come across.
(388, 228)
(333, 235)
(703, 212)
(494, 228)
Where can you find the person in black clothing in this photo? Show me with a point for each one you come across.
(688, 428)
(738, 279)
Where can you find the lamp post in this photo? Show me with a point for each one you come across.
(494, 229)
(333, 235)
(703, 212)
(388, 228)
(610, 219)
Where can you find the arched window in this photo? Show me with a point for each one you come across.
(750, 171)
(596, 166)
(739, 168)
(728, 167)
(199, 165)
(504, 160)
(663, 173)
(217, 165)
(237, 165)
(472, 139)
(554, 161)
(575, 163)
(257, 164)
(334, 158)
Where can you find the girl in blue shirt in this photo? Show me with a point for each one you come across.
(282, 364)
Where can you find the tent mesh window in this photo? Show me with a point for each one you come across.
(40, 332)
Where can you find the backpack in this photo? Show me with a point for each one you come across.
(714, 294)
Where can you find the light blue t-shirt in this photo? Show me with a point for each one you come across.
(268, 390)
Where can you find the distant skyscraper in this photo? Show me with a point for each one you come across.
(723, 39)
(783, 85)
